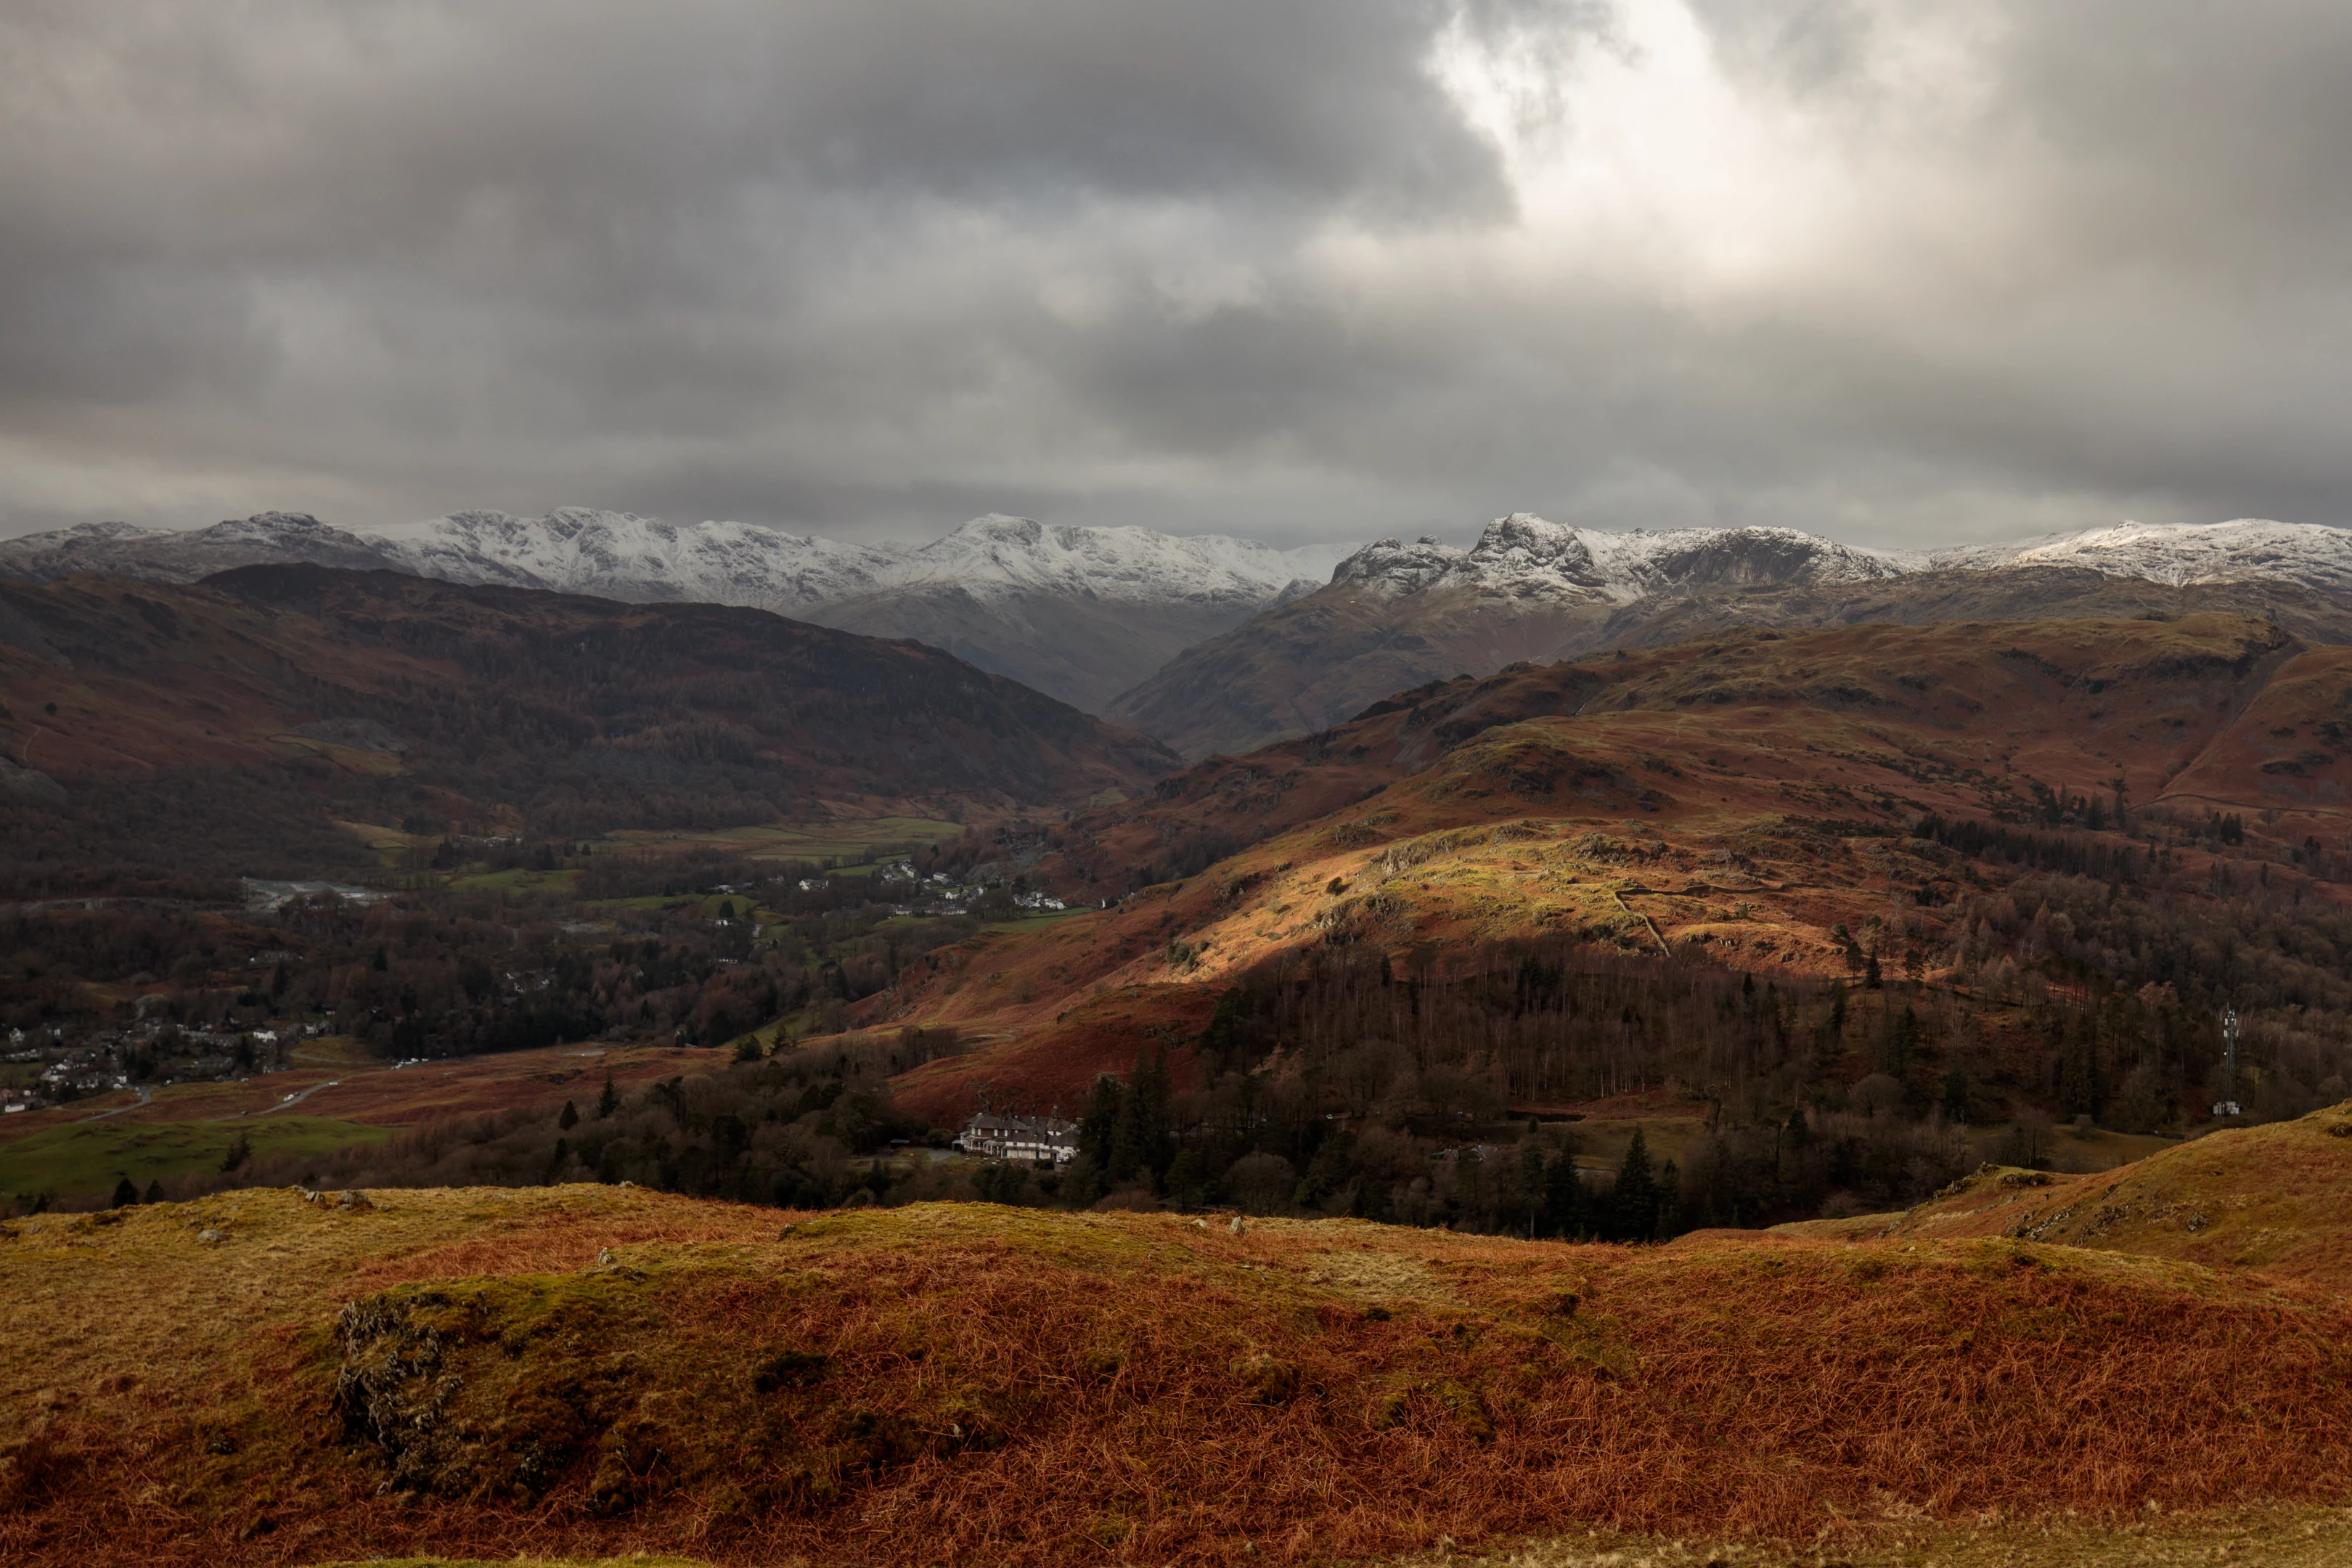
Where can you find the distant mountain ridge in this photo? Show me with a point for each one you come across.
(1213, 643)
(1523, 554)
(1081, 613)
(1397, 616)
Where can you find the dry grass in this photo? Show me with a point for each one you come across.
(1012, 1386)
(2274, 1538)
(2271, 1198)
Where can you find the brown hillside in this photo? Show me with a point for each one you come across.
(582, 1370)
(508, 706)
(1746, 795)
(1309, 664)
(2275, 1198)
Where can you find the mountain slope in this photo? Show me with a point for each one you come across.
(2177, 553)
(174, 555)
(1741, 798)
(1080, 614)
(369, 695)
(1397, 616)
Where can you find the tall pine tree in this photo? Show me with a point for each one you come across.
(1633, 1202)
(1566, 1211)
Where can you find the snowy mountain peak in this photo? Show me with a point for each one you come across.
(183, 555)
(991, 557)
(2182, 553)
(1523, 554)
(619, 554)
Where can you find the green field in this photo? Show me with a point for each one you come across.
(517, 882)
(848, 841)
(86, 1157)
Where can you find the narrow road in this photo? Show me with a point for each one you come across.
(290, 1099)
(145, 1095)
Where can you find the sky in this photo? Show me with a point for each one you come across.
(1899, 273)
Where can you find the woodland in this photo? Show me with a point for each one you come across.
(1335, 1080)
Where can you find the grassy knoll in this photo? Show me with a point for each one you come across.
(585, 1371)
(2271, 1198)
(81, 1158)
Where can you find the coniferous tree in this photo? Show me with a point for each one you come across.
(1633, 1202)
(1565, 1208)
(570, 1119)
(610, 1100)
(1527, 1184)
(125, 1194)
(1139, 1142)
(1100, 1125)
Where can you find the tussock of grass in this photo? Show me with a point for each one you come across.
(583, 1372)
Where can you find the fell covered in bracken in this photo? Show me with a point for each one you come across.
(272, 1378)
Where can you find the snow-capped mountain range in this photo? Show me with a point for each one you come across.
(615, 554)
(1522, 555)
(1396, 616)
(2249, 549)
(1092, 615)
(1078, 612)
(618, 555)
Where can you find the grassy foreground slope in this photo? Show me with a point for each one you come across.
(2271, 1198)
(585, 1371)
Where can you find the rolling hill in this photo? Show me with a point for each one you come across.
(268, 700)
(1755, 800)
(2263, 1198)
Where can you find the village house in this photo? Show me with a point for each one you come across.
(1000, 1135)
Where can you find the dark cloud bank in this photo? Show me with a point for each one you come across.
(1897, 272)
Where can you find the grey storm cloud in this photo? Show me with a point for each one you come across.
(1890, 271)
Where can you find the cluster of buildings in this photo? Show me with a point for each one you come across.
(103, 1061)
(942, 894)
(1001, 1136)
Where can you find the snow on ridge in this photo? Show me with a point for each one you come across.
(2182, 553)
(619, 554)
(993, 558)
(995, 555)
(580, 550)
(1525, 556)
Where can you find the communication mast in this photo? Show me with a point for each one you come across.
(2228, 1104)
